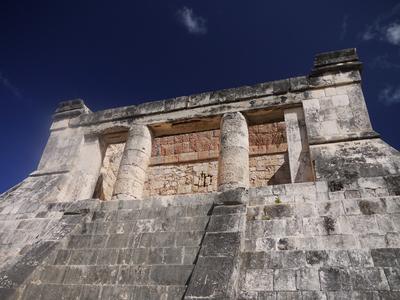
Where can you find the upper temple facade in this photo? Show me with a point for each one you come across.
(280, 190)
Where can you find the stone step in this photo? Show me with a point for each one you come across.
(120, 275)
(104, 292)
(137, 256)
(140, 240)
(166, 224)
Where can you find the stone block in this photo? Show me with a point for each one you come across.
(307, 279)
(313, 295)
(213, 277)
(393, 239)
(393, 277)
(74, 275)
(293, 259)
(79, 241)
(53, 274)
(330, 208)
(265, 244)
(190, 238)
(253, 260)
(236, 196)
(259, 280)
(117, 241)
(284, 280)
(62, 257)
(373, 240)
(175, 292)
(90, 292)
(196, 210)
(263, 296)
(170, 274)
(53, 291)
(163, 239)
(31, 291)
(221, 244)
(225, 223)
(142, 240)
(334, 279)
(360, 258)
(83, 257)
(368, 279)
(386, 257)
(155, 256)
(100, 275)
(98, 241)
(133, 275)
(191, 223)
(228, 210)
(106, 257)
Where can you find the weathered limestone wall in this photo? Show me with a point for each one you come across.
(188, 163)
(186, 147)
(183, 178)
(314, 241)
(183, 164)
(336, 113)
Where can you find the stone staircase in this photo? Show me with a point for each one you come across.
(127, 250)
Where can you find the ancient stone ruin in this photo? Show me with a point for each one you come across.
(281, 190)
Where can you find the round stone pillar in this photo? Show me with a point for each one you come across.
(233, 168)
(135, 160)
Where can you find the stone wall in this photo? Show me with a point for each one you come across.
(183, 164)
(315, 241)
(268, 154)
(184, 178)
(188, 163)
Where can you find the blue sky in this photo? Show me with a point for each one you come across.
(114, 53)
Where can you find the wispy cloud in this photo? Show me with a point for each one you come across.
(386, 27)
(344, 25)
(9, 86)
(393, 34)
(194, 24)
(390, 95)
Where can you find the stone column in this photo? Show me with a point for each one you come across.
(298, 149)
(233, 168)
(135, 160)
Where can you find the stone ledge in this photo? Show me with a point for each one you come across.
(343, 138)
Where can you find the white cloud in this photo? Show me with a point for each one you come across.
(193, 23)
(7, 84)
(390, 95)
(386, 27)
(393, 33)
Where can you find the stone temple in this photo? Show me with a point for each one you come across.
(280, 190)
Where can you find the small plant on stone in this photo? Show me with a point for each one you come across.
(278, 200)
(265, 218)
